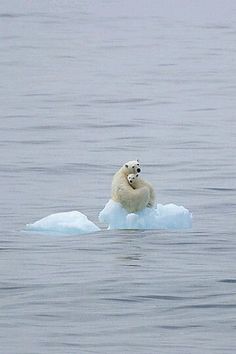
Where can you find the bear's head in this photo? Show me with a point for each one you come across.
(132, 178)
(131, 167)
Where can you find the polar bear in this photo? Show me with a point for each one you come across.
(136, 182)
(131, 199)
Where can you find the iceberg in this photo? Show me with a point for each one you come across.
(72, 222)
(168, 216)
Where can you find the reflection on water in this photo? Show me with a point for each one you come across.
(84, 88)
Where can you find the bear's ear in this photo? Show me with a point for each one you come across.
(137, 160)
(126, 166)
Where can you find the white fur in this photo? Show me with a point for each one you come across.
(136, 182)
(131, 199)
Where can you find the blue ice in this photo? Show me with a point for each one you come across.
(168, 216)
(72, 222)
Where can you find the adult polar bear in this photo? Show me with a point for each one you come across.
(132, 200)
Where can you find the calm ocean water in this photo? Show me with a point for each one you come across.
(86, 86)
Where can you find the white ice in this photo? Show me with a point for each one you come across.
(168, 216)
(72, 222)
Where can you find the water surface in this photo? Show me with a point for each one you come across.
(84, 88)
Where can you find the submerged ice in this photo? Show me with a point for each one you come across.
(168, 216)
(72, 222)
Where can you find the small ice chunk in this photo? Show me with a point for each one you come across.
(72, 222)
(168, 216)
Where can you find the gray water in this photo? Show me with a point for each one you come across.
(86, 86)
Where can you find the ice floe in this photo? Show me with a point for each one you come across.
(169, 216)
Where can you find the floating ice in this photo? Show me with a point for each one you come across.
(72, 222)
(168, 216)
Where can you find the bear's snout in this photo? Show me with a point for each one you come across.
(138, 170)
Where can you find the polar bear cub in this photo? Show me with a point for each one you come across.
(136, 182)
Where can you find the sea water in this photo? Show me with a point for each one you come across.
(86, 86)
